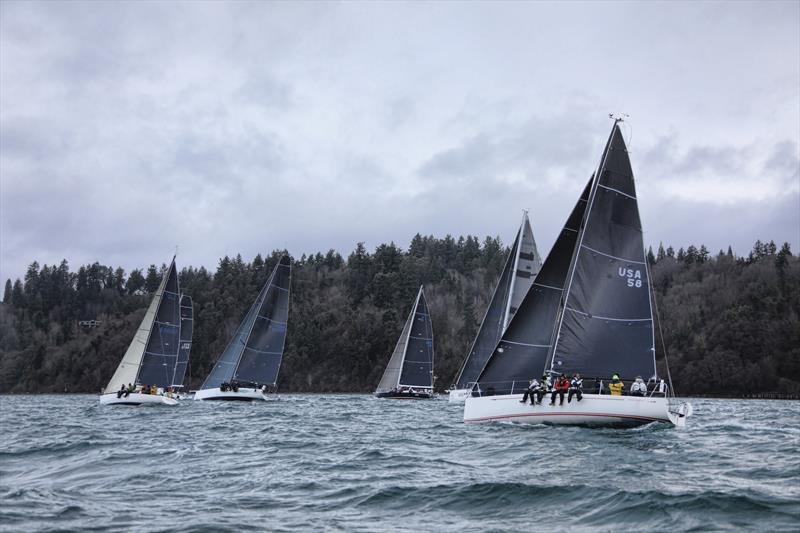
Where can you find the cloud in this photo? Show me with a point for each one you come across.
(126, 129)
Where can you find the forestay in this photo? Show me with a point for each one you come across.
(255, 352)
(522, 351)
(606, 324)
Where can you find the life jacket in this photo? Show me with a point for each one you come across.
(616, 388)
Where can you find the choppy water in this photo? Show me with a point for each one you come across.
(355, 463)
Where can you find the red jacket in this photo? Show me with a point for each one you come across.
(562, 384)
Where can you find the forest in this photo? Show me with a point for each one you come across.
(731, 325)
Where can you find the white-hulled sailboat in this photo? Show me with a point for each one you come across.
(589, 312)
(409, 374)
(516, 278)
(248, 368)
(159, 352)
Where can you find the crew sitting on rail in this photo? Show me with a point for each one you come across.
(560, 388)
(153, 389)
(121, 391)
(145, 389)
(639, 388)
(575, 388)
(533, 388)
(616, 385)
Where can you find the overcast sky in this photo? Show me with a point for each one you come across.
(127, 129)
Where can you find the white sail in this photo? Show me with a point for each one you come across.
(391, 376)
(128, 368)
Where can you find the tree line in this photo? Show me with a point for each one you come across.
(731, 325)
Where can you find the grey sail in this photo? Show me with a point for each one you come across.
(391, 375)
(522, 351)
(255, 351)
(185, 348)
(520, 269)
(417, 368)
(526, 267)
(606, 323)
(160, 356)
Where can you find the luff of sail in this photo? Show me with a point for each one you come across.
(606, 322)
(521, 353)
(128, 370)
(255, 351)
(417, 368)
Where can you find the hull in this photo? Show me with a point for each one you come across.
(593, 410)
(242, 395)
(136, 398)
(458, 395)
(405, 395)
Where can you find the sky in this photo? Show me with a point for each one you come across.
(127, 129)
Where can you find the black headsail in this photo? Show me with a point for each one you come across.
(254, 353)
(522, 352)
(491, 328)
(160, 356)
(606, 323)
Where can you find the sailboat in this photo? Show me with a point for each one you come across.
(248, 368)
(516, 278)
(409, 374)
(590, 312)
(159, 352)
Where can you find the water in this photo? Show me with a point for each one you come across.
(355, 463)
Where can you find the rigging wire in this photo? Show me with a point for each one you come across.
(661, 333)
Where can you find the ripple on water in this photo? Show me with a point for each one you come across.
(355, 463)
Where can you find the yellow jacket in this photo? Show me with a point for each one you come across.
(616, 388)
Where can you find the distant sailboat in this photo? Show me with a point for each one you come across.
(516, 278)
(409, 374)
(590, 312)
(248, 367)
(159, 352)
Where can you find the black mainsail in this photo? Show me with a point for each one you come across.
(187, 328)
(522, 351)
(411, 363)
(606, 321)
(520, 269)
(255, 352)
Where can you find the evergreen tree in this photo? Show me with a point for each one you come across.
(153, 280)
(651, 259)
(661, 253)
(7, 296)
(136, 282)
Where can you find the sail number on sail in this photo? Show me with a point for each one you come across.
(634, 277)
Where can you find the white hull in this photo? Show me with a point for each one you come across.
(458, 395)
(136, 398)
(242, 395)
(593, 410)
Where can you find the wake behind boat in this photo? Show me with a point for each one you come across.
(248, 368)
(155, 362)
(519, 271)
(409, 374)
(592, 316)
